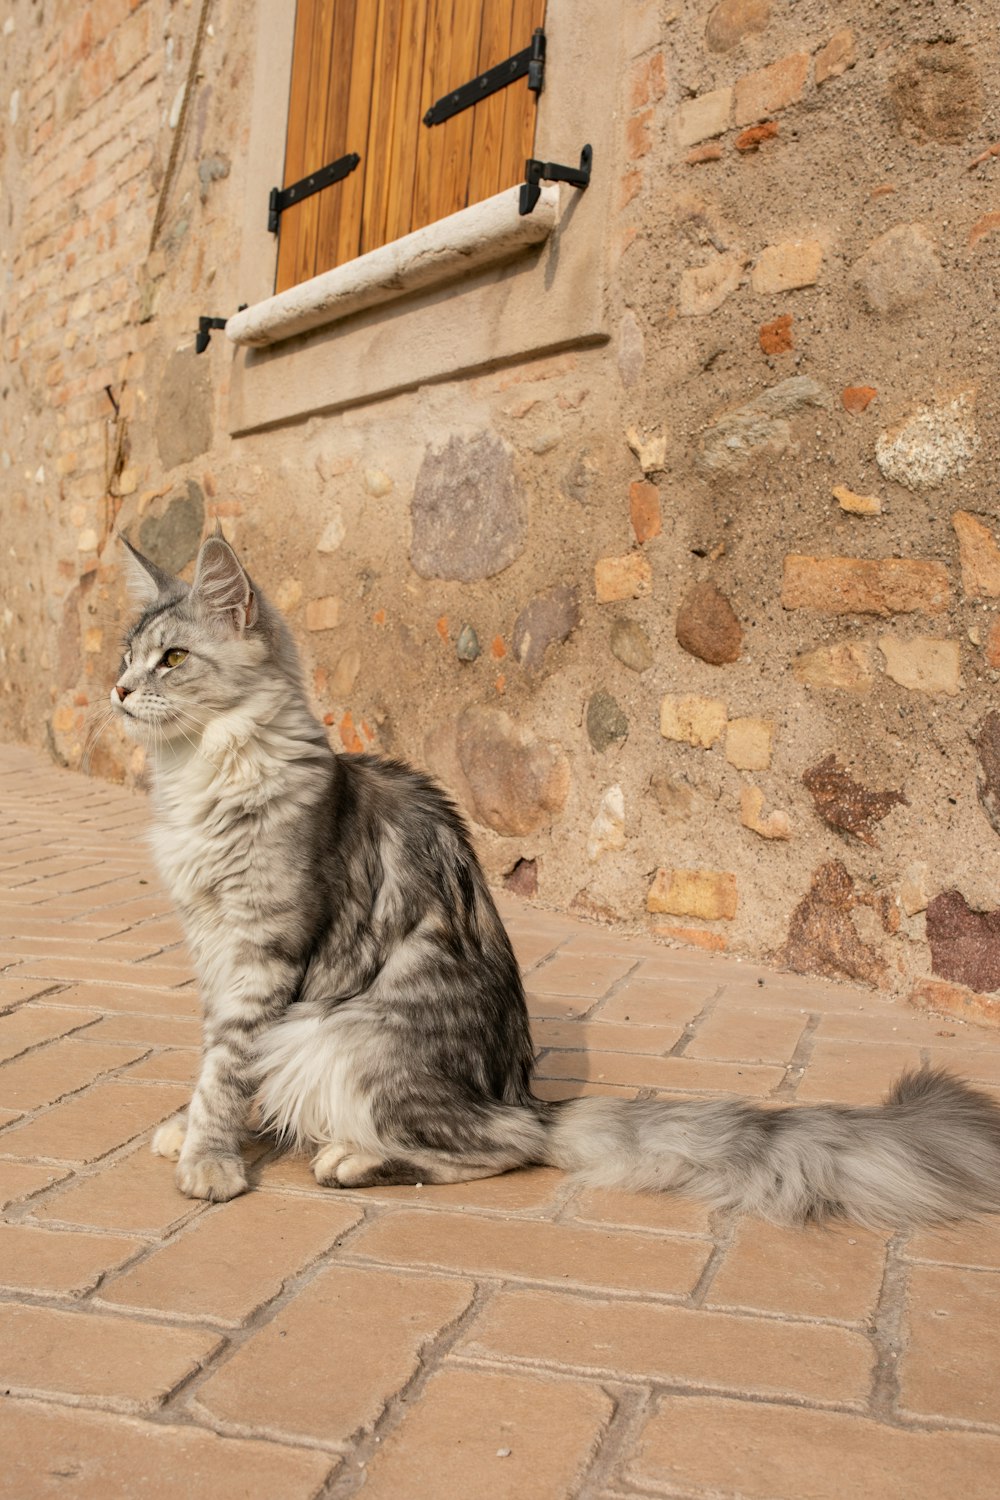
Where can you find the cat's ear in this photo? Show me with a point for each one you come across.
(145, 581)
(222, 587)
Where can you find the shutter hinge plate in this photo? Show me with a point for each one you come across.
(282, 198)
(529, 61)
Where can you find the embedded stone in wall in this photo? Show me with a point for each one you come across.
(707, 626)
(944, 999)
(836, 57)
(776, 337)
(732, 20)
(775, 826)
(846, 805)
(651, 450)
(748, 743)
(785, 267)
(771, 88)
(703, 289)
(935, 92)
(692, 719)
(931, 446)
(467, 647)
(675, 799)
(708, 894)
(760, 427)
(323, 614)
(898, 270)
(333, 533)
(522, 878)
(700, 118)
(979, 556)
(630, 644)
(987, 743)
(183, 416)
(605, 721)
(170, 531)
(964, 943)
(644, 510)
(822, 938)
(345, 673)
(517, 782)
(628, 577)
(856, 505)
(865, 586)
(846, 666)
(914, 893)
(468, 510)
(546, 621)
(607, 831)
(857, 398)
(922, 663)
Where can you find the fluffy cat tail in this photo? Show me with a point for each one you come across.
(930, 1154)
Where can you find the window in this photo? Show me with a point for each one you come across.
(478, 288)
(364, 72)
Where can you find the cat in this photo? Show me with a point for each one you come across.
(359, 988)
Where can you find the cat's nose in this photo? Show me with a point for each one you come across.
(122, 692)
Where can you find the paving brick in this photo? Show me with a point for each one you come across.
(723, 1351)
(687, 1075)
(951, 1364)
(511, 1437)
(14, 991)
(183, 1003)
(812, 1273)
(136, 1195)
(31, 1024)
(135, 1365)
(61, 1067)
(19, 1179)
(528, 1189)
(857, 1072)
(747, 1036)
(235, 1258)
(577, 975)
(43, 1446)
(43, 1261)
(704, 1446)
(261, 1385)
(533, 1251)
(174, 1065)
(106, 972)
(88, 1127)
(959, 1244)
(660, 1213)
(154, 1031)
(605, 1036)
(651, 1002)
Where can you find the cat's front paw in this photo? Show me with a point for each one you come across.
(169, 1138)
(217, 1178)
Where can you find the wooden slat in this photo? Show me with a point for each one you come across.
(346, 243)
(382, 125)
(295, 140)
(487, 135)
(336, 140)
(520, 104)
(443, 162)
(402, 163)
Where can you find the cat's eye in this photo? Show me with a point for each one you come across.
(173, 657)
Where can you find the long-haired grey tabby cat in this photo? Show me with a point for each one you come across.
(358, 984)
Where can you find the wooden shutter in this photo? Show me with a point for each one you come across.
(363, 74)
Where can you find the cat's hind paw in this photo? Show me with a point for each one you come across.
(217, 1178)
(169, 1138)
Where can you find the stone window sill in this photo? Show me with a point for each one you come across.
(485, 234)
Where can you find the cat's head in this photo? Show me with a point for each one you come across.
(200, 651)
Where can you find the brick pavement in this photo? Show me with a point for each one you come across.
(519, 1337)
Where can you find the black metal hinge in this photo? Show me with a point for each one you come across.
(530, 61)
(282, 198)
(537, 172)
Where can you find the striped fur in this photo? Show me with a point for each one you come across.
(359, 986)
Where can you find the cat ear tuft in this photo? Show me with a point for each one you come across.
(222, 587)
(145, 581)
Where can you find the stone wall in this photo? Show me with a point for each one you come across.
(700, 625)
